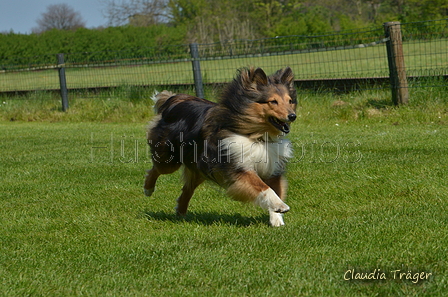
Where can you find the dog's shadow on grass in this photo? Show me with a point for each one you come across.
(207, 218)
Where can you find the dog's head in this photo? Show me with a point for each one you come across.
(272, 100)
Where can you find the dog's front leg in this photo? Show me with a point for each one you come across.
(279, 185)
(249, 187)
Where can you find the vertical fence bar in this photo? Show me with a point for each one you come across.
(397, 69)
(197, 76)
(63, 82)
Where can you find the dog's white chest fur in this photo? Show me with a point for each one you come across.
(266, 158)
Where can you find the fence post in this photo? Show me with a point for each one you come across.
(63, 82)
(395, 57)
(197, 76)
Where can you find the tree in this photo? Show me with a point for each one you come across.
(59, 16)
(417, 10)
(139, 13)
(210, 21)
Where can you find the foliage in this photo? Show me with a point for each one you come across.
(212, 21)
(416, 10)
(134, 12)
(19, 49)
(206, 22)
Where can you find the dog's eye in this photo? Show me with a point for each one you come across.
(275, 102)
(290, 101)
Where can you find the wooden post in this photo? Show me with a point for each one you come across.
(395, 57)
(197, 76)
(63, 82)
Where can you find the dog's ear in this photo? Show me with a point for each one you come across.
(251, 79)
(287, 77)
(259, 77)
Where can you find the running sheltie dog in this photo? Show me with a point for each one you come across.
(238, 142)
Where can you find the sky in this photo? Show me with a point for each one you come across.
(21, 15)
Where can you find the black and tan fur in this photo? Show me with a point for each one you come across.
(238, 142)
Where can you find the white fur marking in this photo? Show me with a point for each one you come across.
(265, 158)
(276, 219)
(268, 200)
(276, 207)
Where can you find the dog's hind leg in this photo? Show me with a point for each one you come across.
(150, 181)
(154, 173)
(249, 187)
(192, 181)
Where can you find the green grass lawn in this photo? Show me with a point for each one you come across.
(367, 191)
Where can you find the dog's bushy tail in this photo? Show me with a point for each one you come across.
(160, 98)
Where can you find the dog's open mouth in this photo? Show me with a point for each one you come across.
(282, 126)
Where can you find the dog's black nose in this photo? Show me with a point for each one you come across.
(292, 117)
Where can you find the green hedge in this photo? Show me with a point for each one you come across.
(18, 50)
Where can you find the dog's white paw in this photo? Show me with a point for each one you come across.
(281, 208)
(270, 201)
(276, 219)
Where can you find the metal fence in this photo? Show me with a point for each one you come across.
(340, 60)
